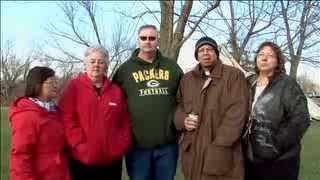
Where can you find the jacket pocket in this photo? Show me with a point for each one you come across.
(263, 145)
(218, 160)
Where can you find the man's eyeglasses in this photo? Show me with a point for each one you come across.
(150, 38)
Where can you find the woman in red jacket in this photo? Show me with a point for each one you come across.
(38, 140)
(96, 121)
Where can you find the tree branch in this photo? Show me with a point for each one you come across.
(204, 14)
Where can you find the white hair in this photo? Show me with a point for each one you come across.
(101, 50)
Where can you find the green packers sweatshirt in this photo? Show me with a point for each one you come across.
(150, 89)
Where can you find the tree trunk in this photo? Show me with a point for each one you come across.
(166, 26)
(174, 51)
(172, 40)
(294, 67)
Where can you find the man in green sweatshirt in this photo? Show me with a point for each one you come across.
(150, 82)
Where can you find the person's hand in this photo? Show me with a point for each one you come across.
(191, 122)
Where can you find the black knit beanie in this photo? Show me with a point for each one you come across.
(203, 41)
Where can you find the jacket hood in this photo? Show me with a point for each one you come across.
(23, 104)
(134, 57)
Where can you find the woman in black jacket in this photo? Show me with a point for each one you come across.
(278, 120)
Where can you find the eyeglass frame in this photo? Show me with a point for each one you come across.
(149, 38)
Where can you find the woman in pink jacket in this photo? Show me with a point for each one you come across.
(96, 121)
(38, 140)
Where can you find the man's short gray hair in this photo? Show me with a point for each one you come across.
(101, 50)
(146, 27)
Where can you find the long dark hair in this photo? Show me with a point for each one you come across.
(280, 58)
(35, 78)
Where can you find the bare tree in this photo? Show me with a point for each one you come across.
(172, 34)
(12, 68)
(302, 27)
(245, 23)
(177, 23)
(83, 28)
(121, 45)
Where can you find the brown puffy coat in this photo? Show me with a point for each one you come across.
(213, 151)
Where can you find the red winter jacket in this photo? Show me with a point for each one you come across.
(38, 143)
(97, 127)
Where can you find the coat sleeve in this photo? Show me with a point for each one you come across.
(181, 113)
(236, 111)
(124, 133)
(67, 106)
(22, 152)
(297, 118)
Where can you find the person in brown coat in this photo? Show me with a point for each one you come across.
(212, 109)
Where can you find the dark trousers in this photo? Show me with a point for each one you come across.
(80, 171)
(286, 169)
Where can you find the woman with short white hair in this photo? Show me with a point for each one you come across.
(96, 120)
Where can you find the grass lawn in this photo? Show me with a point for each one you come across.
(310, 166)
(5, 144)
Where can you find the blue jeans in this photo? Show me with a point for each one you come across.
(152, 164)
